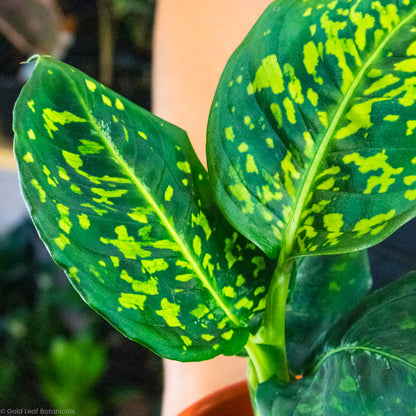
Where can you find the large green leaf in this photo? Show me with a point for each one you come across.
(369, 368)
(123, 204)
(327, 287)
(311, 137)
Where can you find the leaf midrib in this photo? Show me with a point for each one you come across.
(165, 222)
(293, 223)
(353, 348)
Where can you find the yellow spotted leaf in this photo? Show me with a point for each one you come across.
(124, 206)
(312, 151)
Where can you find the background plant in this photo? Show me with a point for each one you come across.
(310, 143)
(41, 320)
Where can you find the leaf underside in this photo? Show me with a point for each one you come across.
(369, 370)
(312, 132)
(123, 204)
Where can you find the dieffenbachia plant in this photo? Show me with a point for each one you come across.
(311, 159)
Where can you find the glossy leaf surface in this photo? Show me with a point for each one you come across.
(370, 369)
(124, 206)
(327, 287)
(311, 137)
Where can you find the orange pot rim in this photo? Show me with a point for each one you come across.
(233, 400)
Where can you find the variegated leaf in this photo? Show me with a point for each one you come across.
(312, 133)
(123, 204)
(368, 368)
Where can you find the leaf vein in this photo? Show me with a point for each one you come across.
(289, 237)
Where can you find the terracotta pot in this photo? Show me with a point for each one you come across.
(233, 400)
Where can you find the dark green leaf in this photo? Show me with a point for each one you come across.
(369, 369)
(327, 287)
(311, 137)
(124, 206)
(274, 398)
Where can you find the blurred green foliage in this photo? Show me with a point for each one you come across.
(69, 372)
(137, 16)
(55, 352)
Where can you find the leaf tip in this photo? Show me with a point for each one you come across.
(33, 58)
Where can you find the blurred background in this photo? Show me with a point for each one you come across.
(55, 352)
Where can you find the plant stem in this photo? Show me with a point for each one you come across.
(274, 314)
(267, 349)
